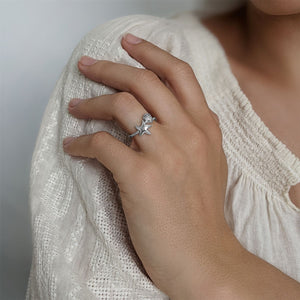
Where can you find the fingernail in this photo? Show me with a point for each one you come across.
(68, 140)
(74, 102)
(132, 39)
(87, 61)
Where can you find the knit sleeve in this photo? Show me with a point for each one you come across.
(81, 246)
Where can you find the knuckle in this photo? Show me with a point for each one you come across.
(181, 68)
(97, 139)
(198, 141)
(122, 100)
(147, 76)
(201, 141)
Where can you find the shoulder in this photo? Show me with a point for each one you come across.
(104, 41)
(140, 22)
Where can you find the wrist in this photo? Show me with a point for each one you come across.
(209, 277)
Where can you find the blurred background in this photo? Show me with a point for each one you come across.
(36, 41)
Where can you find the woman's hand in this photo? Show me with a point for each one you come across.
(172, 183)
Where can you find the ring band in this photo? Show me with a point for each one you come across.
(145, 125)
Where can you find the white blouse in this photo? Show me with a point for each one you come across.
(81, 246)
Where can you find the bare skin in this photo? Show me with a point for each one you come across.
(262, 46)
(173, 199)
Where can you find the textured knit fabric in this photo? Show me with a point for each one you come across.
(81, 246)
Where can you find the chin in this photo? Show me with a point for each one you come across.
(277, 7)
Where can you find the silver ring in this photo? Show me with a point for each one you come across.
(143, 128)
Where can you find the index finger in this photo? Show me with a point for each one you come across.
(177, 73)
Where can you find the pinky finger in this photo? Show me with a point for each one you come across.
(112, 153)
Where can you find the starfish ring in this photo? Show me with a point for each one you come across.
(143, 128)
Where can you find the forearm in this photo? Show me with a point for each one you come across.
(254, 278)
(236, 274)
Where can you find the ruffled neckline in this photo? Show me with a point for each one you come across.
(267, 159)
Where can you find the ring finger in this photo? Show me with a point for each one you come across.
(122, 107)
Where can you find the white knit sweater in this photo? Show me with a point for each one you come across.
(81, 246)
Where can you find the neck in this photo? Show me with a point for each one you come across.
(273, 44)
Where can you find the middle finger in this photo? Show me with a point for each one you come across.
(143, 84)
(122, 107)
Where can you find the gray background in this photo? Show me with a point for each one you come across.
(36, 40)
